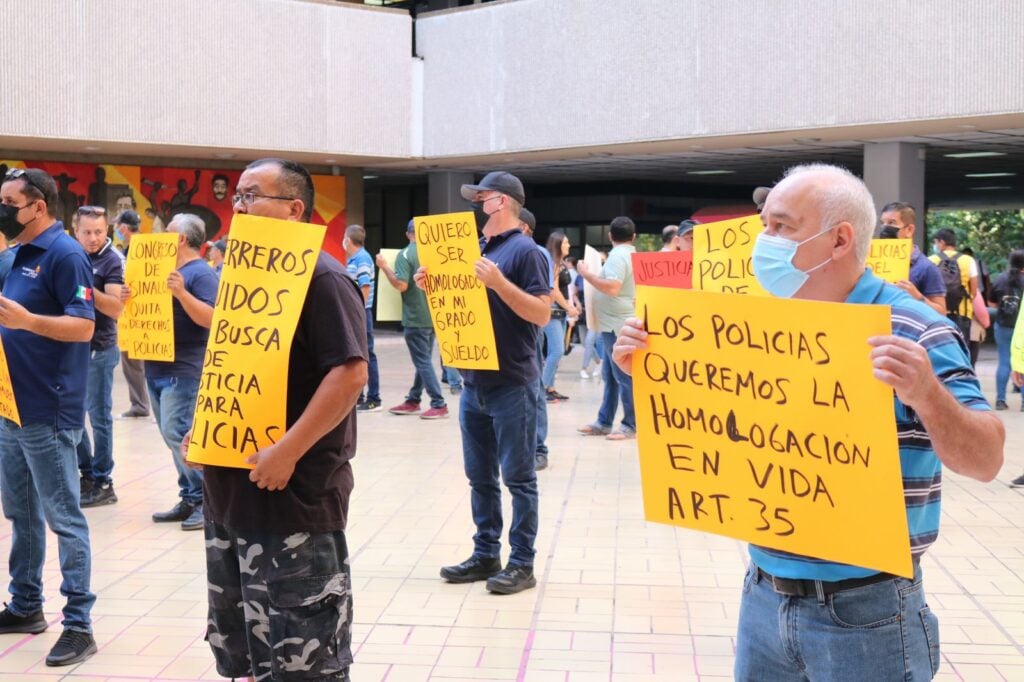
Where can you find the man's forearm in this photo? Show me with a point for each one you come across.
(199, 312)
(393, 279)
(534, 309)
(65, 328)
(608, 287)
(969, 442)
(109, 305)
(333, 399)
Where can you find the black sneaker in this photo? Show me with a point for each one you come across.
(194, 520)
(471, 570)
(11, 622)
(1001, 405)
(511, 580)
(180, 512)
(558, 395)
(99, 496)
(72, 647)
(1015, 483)
(542, 462)
(85, 486)
(369, 406)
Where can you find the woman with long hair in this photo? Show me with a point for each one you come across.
(1006, 299)
(561, 307)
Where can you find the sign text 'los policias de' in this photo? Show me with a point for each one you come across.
(241, 404)
(759, 418)
(448, 247)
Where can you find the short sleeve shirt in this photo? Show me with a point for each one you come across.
(331, 331)
(189, 338)
(925, 275)
(613, 311)
(519, 260)
(107, 268)
(415, 312)
(361, 269)
(50, 275)
(921, 468)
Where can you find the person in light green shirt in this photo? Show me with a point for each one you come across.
(419, 332)
(614, 294)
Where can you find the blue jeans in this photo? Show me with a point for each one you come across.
(554, 336)
(542, 409)
(591, 343)
(452, 376)
(1003, 337)
(373, 379)
(174, 403)
(882, 632)
(96, 457)
(39, 488)
(420, 342)
(617, 385)
(498, 426)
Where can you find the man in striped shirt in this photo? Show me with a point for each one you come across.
(803, 618)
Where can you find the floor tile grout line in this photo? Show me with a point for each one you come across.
(549, 562)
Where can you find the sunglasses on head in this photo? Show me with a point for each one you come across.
(22, 174)
(91, 210)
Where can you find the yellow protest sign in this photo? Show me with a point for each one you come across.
(1017, 346)
(145, 329)
(889, 259)
(721, 256)
(240, 408)
(759, 419)
(8, 405)
(389, 299)
(448, 247)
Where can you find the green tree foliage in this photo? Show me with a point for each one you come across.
(992, 234)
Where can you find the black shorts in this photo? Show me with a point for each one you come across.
(280, 606)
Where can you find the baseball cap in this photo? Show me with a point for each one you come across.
(497, 181)
(686, 227)
(526, 216)
(411, 227)
(129, 218)
(221, 245)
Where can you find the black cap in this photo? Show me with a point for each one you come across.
(526, 216)
(686, 227)
(129, 218)
(497, 181)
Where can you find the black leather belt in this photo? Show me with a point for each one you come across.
(807, 588)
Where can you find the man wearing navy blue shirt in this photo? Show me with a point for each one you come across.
(498, 410)
(46, 322)
(803, 618)
(925, 282)
(96, 456)
(174, 386)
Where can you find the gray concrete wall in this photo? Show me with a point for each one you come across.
(547, 74)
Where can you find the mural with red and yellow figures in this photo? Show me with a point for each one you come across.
(160, 193)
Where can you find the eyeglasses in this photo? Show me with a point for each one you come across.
(91, 210)
(22, 174)
(249, 198)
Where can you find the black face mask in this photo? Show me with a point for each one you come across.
(9, 225)
(481, 216)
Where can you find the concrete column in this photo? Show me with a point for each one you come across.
(443, 192)
(894, 171)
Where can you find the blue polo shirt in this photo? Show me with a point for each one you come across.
(360, 267)
(50, 275)
(925, 275)
(519, 260)
(107, 268)
(922, 470)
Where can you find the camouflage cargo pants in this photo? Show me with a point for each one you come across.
(280, 605)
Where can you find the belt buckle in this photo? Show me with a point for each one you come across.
(785, 586)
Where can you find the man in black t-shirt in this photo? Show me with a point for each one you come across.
(96, 456)
(276, 557)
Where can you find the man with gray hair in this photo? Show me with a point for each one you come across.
(802, 617)
(173, 386)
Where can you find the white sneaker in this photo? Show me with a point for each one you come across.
(584, 374)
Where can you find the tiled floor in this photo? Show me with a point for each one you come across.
(617, 598)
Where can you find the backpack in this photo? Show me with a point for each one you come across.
(1009, 306)
(955, 292)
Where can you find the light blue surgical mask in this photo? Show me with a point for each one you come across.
(773, 264)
